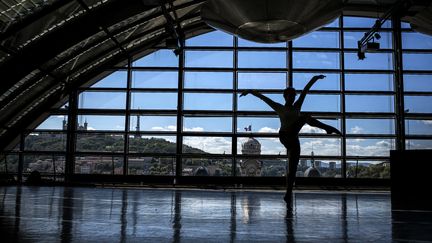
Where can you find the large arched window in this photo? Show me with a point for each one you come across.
(182, 115)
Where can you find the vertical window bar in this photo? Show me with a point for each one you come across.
(398, 84)
(342, 98)
(70, 137)
(290, 82)
(234, 108)
(21, 157)
(179, 147)
(127, 120)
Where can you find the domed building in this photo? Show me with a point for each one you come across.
(312, 171)
(251, 167)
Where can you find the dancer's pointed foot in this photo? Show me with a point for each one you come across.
(333, 130)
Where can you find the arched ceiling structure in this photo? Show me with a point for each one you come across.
(49, 47)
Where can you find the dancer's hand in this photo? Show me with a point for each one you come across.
(246, 92)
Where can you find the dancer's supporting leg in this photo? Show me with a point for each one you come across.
(293, 159)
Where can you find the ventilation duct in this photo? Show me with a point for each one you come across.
(270, 21)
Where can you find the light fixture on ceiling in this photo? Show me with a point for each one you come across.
(269, 21)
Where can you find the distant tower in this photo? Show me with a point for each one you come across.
(85, 125)
(138, 129)
(332, 165)
(64, 123)
(312, 171)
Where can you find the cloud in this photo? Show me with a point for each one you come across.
(216, 145)
(91, 128)
(310, 129)
(380, 148)
(357, 130)
(194, 129)
(166, 128)
(427, 122)
(320, 146)
(268, 130)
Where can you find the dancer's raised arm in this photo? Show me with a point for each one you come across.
(267, 100)
(306, 89)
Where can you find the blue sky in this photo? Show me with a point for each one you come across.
(270, 80)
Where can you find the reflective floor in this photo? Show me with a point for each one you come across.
(57, 214)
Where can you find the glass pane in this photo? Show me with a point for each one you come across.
(319, 168)
(418, 144)
(99, 164)
(46, 141)
(117, 79)
(257, 146)
(368, 169)
(160, 58)
(351, 39)
(413, 40)
(321, 103)
(95, 122)
(208, 80)
(316, 60)
(333, 24)
(252, 103)
(153, 123)
(207, 101)
(246, 43)
(405, 25)
(370, 126)
(207, 167)
(369, 103)
(373, 61)
(152, 144)
(102, 100)
(262, 59)
(214, 38)
(418, 127)
(418, 104)
(44, 164)
(54, 122)
(207, 124)
(318, 39)
(362, 22)
(154, 100)
(315, 130)
(258, 124)
(217, 59)
(262, 80)
(369, 81)
(320, 146)
(369, 146)
(153, 79)
(99, 142)
(417, 61)
(417, 82)
(9, 163)
(151, 166)
(331, 82)
(261, 167)
(204, 145)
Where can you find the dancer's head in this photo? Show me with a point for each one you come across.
(289, 95)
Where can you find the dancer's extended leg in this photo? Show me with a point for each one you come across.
(315, 123)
